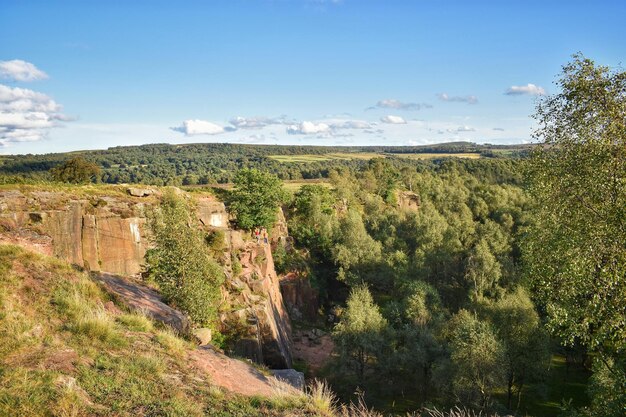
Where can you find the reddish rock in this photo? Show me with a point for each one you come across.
(301, 299)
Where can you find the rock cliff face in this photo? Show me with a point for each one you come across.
(109, 234)
(254, 305)
(408, 200)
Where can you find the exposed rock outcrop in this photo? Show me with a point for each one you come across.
(255, 304)
(212, 213)
(141, 192)
(141, 298)
(408, 200)
(108, 234)
(301, 299)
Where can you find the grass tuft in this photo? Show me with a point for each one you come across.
(171, 342)
(98, 325)
(322, 399)
(136, 322)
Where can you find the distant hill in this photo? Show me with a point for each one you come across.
(210, 163)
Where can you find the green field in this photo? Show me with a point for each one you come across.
(295, 185)
(428, 155)
(344, 156)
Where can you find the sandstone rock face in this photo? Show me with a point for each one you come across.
(255, 303)
(408, 200)
(108, 239)
(212, 213)
(279, 232)
(109, 235)
(301, 300)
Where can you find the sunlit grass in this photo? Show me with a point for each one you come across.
(342, 156)
(426, 155)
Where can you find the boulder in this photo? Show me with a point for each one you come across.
(204, 335)
(290, 376)
(140, 192)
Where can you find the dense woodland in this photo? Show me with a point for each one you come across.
(210, 163)
(436, 303)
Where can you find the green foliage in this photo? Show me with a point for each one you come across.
(180, 264)
(476, 360)
(360, 333)
(256, 198)
(313, 218)
(575, 254)
(524, 341)
(483, 270)
(211, 163)
(76, 170)
(354, 249)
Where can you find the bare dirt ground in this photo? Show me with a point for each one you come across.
(314, 350)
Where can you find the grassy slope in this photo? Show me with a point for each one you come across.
(63, 353)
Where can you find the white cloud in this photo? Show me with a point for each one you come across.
(399, 105)
(498, 129)
(465, 129)
(18, 70)
(529, 89)
(349, 124)
(396, 120)
(198, 127)
(240, 122)
(308, 128)
(460, 99)
(26, 115)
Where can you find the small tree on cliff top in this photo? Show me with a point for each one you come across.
(76, 170)
(180, 262)
(255, 198)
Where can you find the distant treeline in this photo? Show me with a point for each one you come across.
(210, 163)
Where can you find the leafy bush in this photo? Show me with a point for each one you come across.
(187, 276)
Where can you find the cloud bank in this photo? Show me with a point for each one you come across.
(240, 122)
(308, 128)
(399, 105)
(459, 99)
(529, 89)
(26, 115)
(18, 70)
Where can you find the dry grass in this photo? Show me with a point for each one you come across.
(457, 412)
(322, 399)
(173, 344)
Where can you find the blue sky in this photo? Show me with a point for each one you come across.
(94, 74)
